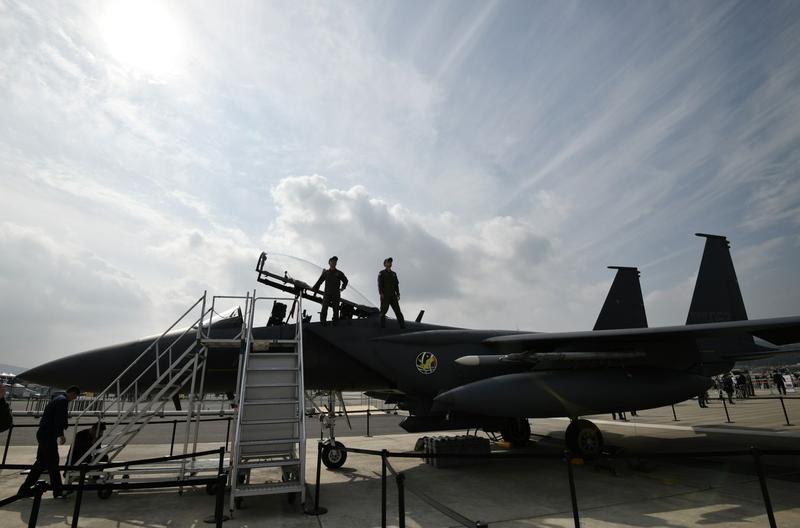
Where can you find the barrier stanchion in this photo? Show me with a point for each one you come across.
(219, 516)
(368, 413)
(727, 416)
(228, 433)
(38, 490)
(76, 513)
(763, 482)
(783, 406)
(172, 442)
(317, 510)
(674, 416)
(383, 488)
(219, 507)
(8, 442)
(572, 494)
(401, 500)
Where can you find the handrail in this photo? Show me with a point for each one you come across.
(119, 377)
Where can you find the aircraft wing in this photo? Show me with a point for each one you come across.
(779, 331)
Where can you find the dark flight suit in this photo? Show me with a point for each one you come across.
(6, 419)
(389, 289)
(334, 281)
(51, 427)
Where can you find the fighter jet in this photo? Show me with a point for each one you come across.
(456, 378)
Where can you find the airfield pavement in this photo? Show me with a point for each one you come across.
(691, 491)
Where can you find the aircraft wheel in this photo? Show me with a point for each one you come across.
(334, 456)
(517, 432)
(104, 493)
(584, 439)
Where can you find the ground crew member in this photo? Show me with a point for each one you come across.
(335, 282)
(6, 419)
(84, 440)
(50, 433)
(389, 290)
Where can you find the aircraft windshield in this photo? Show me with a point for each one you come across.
(307, 272)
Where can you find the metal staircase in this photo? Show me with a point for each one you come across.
(268, 451)
(144, 388)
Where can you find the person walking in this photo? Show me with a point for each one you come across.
(6, 418)
(389, 291)
(727, 385)
(49, 435)
(335, 283)
(780, 384)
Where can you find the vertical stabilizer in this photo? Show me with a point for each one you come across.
(624, 306)
(717, 296)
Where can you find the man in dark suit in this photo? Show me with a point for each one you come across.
(49, 435)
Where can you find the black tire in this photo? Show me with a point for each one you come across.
(104, 492)
(334, 456)
(517, 432)
(584, 439)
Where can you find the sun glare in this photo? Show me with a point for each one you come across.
(144, 36)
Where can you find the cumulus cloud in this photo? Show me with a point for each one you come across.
(439, 256)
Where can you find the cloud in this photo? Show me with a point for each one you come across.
(56, 290)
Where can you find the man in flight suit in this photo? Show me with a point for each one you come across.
(49, 435)
(389, 290)
(335, 282)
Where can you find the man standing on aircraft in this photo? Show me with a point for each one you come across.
(49, 435)
(389, 290)
(335, 282)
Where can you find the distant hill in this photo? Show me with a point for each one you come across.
(11, 368)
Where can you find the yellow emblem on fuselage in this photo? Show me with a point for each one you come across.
(427, 363)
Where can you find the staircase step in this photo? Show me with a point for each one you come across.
(272, 421)
(245, 490)
(221, 343)
(281, 401)
(268, 464)
(250, 443)
(265, 385)
(273, 369)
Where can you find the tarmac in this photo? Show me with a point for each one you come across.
(622, 491)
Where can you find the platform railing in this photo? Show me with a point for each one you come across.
(215, 483)
(569, 458)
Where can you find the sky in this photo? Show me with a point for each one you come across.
(503, 153)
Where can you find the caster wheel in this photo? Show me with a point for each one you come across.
(104, 493)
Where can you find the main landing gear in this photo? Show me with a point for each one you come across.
(584, 439)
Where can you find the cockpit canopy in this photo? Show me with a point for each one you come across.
(294, 275)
